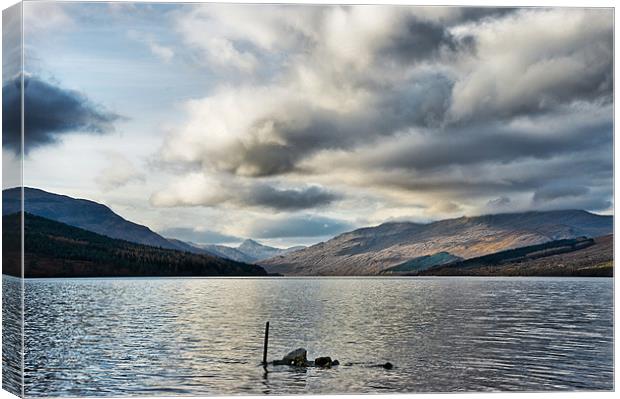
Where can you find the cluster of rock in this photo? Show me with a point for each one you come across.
(298, 358)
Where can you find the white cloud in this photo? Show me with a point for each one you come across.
(119, 172)
(533, 60)
(162, 52)
(41, 17)
(165, 53)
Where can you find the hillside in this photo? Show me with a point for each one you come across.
(227, 252)
(100, 219)
(249, 251)
(258, 251)
(580, 257)
(55, 249)
(421, 263)
(372, 250)
(85, 214)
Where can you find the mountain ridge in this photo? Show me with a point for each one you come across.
(83, 213)
(101, 219)
(55, 249)
(364, 251)
(371, 250)
(249, 251)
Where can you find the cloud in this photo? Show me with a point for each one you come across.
(199, 236)
(119, 172)
(199, 190)
(264, 130)
(444, 208)
(401, 104)
(564, 56)
(162, 52)
(550, 193)
(417, 151)
(46, 17)
(499, 202)
(268, 131)
(50, 112)
(11, 42)
(297, 226)
(373, 88)
(561, 195)
(419, 41)
(290, 199)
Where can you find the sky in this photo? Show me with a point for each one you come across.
(291, 124)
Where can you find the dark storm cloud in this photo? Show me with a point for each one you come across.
(590, 203)
(554, 192)
(419, 41)
(594, 85)
(298, 226)
(493, 143)
(474, 14)
(290, 199)
(569, 194)
(591, 168)
(498, 202)
(50, 111)
(199, 236)
(263, 159)
(422, 101)
(11, 67)
(256, 195)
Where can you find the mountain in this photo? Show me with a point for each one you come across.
(372, 250)
(187, 246)
(54, 249)
(85, 214)
(591, 257)
(228, 253)
(249, 251)
(98, 218)
(258, 251)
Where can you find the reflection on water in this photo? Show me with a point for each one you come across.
(204, 336)
(12, 335)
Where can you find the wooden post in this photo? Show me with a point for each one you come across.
(266, 343)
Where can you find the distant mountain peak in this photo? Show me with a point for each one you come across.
(250, 243)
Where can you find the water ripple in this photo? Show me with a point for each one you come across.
(104, 337)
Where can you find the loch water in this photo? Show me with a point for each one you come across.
(203, 336)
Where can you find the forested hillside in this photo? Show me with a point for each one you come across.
(54, 249)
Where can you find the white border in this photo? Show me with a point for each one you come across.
(549, 3)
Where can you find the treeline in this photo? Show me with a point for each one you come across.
(54, 249)
(570, 257)
(529, 252)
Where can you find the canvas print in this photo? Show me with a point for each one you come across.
(255, 199)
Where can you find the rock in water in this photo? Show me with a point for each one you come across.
(323, 361)
(296, 357)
